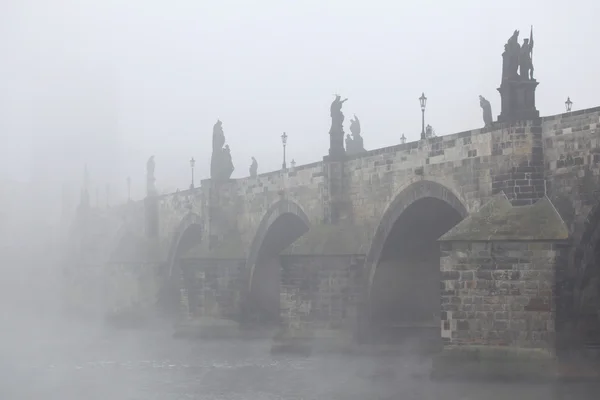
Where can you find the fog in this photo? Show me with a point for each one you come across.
(105, 84)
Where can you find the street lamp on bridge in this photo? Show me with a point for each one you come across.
(568, 104)
(284, 142)
(423, 101)
(192, 164)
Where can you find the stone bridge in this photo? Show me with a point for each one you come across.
(350, 244)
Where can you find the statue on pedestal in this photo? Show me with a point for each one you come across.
(354, 145)
(253, 168)
(517, 90)
(336, 133)
(487, 111)
(221, 165)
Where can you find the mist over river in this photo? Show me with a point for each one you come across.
(44, 357)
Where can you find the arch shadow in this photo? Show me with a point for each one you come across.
(408, 195)
(401, 277)
(191, 224)
(283, 223)
(189, 232)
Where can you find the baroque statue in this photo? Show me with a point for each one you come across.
(221, 164)
(517, 59)
(354, 144)
(488, 120)
(253, 168)
(525, 61)
(510, 57)
(336, 133)
(517, 89)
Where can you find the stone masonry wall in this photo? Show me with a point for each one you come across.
(572, 164)
(213, 287)
(320, 292)
(572, 157)
(518, 170)
(499, 293)
(303, 186)
(461, 162)
(572, 161)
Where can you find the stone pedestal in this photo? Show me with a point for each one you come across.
(338, 207)
(518, 100)
(151, 218)
(336, 144)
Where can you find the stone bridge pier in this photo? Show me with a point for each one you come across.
(482, 239)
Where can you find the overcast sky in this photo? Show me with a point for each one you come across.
(111, 82)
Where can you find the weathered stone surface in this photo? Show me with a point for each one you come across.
(556, 156)
(320, 293)
(326, 240)
(499, 294)
(213, 287)
(498, 220)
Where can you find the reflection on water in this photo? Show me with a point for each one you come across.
(42, 361)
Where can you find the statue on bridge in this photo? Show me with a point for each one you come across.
(354, 144)
(221, 165)
(517, 60)
(510, 57)
(488, 120)
(150, 180)
(517, 89)
(253, 168)
(525, 61)
(336, 133)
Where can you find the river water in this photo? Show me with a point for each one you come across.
(46, 359)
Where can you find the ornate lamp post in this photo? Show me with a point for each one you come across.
(568, 104)
(293, 165)
(128, 188)
(284, 142)
(423, 101)
(192, 164)
(403, 139)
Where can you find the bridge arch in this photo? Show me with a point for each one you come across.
(283, 223)
(188, 234)
(402, 264)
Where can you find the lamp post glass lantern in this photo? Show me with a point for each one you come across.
(568, 104)
(192, 164)
(423, 102)
(284, 142)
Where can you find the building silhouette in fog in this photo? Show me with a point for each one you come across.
(76, 125)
